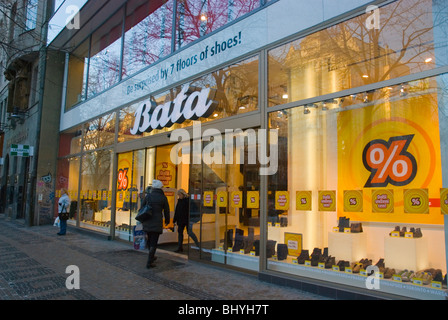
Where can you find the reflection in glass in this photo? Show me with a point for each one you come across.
(349, 55)
(96, 190)
(77, 75)
(148, 35)
(68, 178)
(105, 54)
(197, 18)
(99, 132)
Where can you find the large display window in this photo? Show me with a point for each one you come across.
(360, 193)
(352, 54)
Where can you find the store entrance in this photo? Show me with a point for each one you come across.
(224, 211)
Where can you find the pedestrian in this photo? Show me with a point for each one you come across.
(154, 225)
(182, 218)
(63, 209)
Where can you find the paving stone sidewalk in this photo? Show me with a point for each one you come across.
(33, 262)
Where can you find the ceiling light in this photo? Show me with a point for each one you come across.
(428, 60)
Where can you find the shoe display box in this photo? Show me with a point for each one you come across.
(347, 246)
(406, 253)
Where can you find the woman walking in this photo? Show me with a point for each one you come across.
(63, 209)
(181, 217)
(154, 225)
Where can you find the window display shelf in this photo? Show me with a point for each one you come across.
(406, 253)
(358, 280)
(347, 246)
(236, 259)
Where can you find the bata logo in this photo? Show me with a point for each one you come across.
(190, 104)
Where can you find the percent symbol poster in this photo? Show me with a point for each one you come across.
(391, 152)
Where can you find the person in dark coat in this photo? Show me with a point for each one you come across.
(154, 225)
(181, 217)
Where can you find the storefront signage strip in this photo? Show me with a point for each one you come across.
(247, 35)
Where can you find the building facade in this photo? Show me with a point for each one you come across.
(310, 138)
(29, 117)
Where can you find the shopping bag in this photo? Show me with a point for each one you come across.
(139, 237)
(57, 222)
(144, 213)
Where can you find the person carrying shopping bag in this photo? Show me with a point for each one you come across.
(63, 211)
(154, 225)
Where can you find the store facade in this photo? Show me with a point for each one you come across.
(312, 152)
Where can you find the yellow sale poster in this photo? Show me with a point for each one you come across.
(236, 199)
(395, 146)
(353, 201)
(444, 200)
(304, 200)
(253, 199)
(221, 199)
(208, 198)
(281, 200)
(327, 200)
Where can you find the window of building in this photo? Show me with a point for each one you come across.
(355, 186)
(31, 14)
(148, 35)
(77, 75)
(105, 55)
(349, 55)
(197, 18)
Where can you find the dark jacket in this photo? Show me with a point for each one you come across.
(160, 209)
(182, 212)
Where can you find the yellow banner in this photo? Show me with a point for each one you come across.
(387, 149)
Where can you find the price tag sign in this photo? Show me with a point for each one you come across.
(347, 230)
(242, 251)
(408, 235)
(229, 249)
(277, 224)
(436, 284)
(363, 272)
(335, 268)
(321, 265)
(335, 229)
(252, 253)
(397, 278)
(221, 248)
(417, 281)
(395, 234)
(348, 270)
(274, 257)
(295, 261)
(308, 263)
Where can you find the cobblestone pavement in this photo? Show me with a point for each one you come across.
(33, 262)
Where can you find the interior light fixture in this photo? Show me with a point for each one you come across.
(428, 60)
(403, 91)
(365, 76)
(285, 96)
(365, 98)
(215, 115)
(203, 17)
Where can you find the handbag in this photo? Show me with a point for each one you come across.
(144, 213)
(64, 215)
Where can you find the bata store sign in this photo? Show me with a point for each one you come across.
(190, 104)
